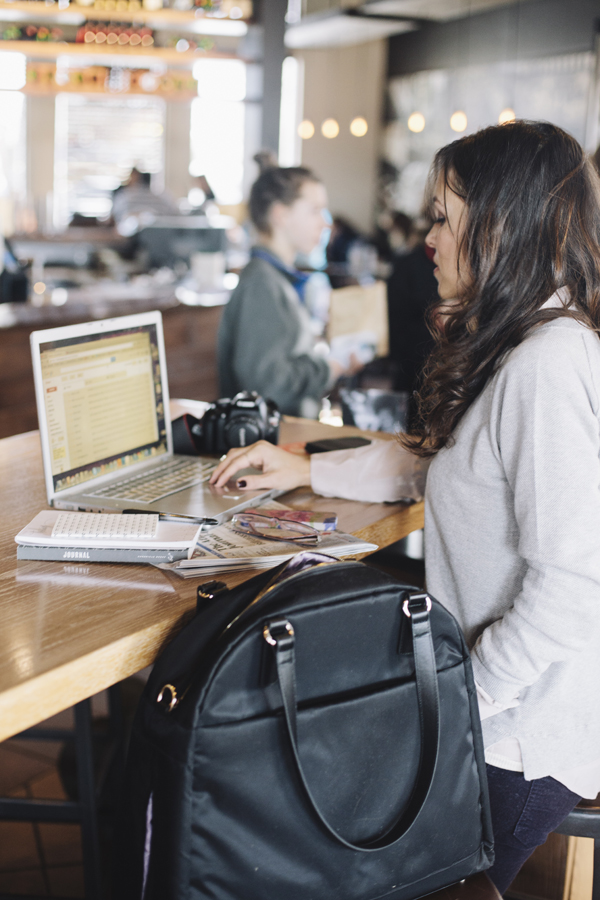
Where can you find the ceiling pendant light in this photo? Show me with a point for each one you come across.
(462, 77)
(458, 121)
(330, 128)
(306, 129)
(507, 115)
(359, 126)
(512, 80)
(416, 122)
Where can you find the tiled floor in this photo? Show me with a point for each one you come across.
(39, 859)
(45, 860)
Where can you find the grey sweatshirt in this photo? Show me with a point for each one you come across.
(265, 343)
(512, 539)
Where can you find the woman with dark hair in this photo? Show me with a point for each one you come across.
(510, 418)
(265, 339)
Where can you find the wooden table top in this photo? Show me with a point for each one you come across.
(69, 630)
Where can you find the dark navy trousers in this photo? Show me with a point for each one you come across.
(523, 815)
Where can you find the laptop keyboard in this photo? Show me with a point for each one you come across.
(168, 479)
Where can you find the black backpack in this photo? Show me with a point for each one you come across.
(312, 734)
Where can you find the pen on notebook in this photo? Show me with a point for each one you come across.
(171, 517)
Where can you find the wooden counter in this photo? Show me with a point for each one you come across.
(70, 630)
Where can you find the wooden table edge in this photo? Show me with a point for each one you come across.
(60, 688)
(380, 532)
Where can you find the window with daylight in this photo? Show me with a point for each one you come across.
(13, 149)
(13, 154)
(98, 140)
(292, 94)
(217, 127)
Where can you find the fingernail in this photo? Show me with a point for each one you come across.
(241, 483)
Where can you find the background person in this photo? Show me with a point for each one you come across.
(136, 197)
(342, 239)
(393, 234)
(511, 419)
(266, 342)
(411, 291)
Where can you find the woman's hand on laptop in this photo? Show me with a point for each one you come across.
(281, 470)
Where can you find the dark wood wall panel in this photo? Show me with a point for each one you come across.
(190, 344)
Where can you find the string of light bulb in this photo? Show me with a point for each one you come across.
(330, 128)
(458, 120)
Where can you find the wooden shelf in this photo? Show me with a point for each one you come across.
(47, 50)
(36, 10)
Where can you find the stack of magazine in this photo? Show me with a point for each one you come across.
(224, 550)
(185, 549)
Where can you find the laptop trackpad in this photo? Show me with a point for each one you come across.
(207, 500)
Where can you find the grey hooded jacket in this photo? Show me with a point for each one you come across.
(266, 344)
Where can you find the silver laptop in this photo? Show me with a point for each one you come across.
(103, 409)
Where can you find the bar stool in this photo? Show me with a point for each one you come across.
(584, 821)
(84, 809)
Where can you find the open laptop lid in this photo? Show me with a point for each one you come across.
(102, 399)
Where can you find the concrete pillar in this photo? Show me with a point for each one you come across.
(345, 82)
(177, 148)
(40, 156)
(273, 22)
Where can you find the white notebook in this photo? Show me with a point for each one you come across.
(167, 535)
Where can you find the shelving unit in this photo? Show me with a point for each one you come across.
(75, 14)
(188, 23)
(172, 84)
(111, 55)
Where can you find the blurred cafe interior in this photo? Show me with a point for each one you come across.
(131, 132)
(131, 129)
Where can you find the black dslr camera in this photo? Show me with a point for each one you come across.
(239, 422)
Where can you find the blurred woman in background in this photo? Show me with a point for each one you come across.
(265, 341)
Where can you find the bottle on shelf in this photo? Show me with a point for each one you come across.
(114, 34)
(147, 37)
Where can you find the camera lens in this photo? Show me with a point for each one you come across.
(242, 431)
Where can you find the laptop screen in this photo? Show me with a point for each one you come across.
(104, 403)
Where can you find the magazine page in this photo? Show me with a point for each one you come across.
(223, 548)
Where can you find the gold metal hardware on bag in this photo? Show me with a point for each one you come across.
(174, 698)
(269, 637)
(210, 589)
(406, 610)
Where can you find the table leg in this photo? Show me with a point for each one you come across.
(87, 801)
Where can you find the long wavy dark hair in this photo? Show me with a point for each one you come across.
(531, 225)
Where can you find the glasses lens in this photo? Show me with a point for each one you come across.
(275, 529)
